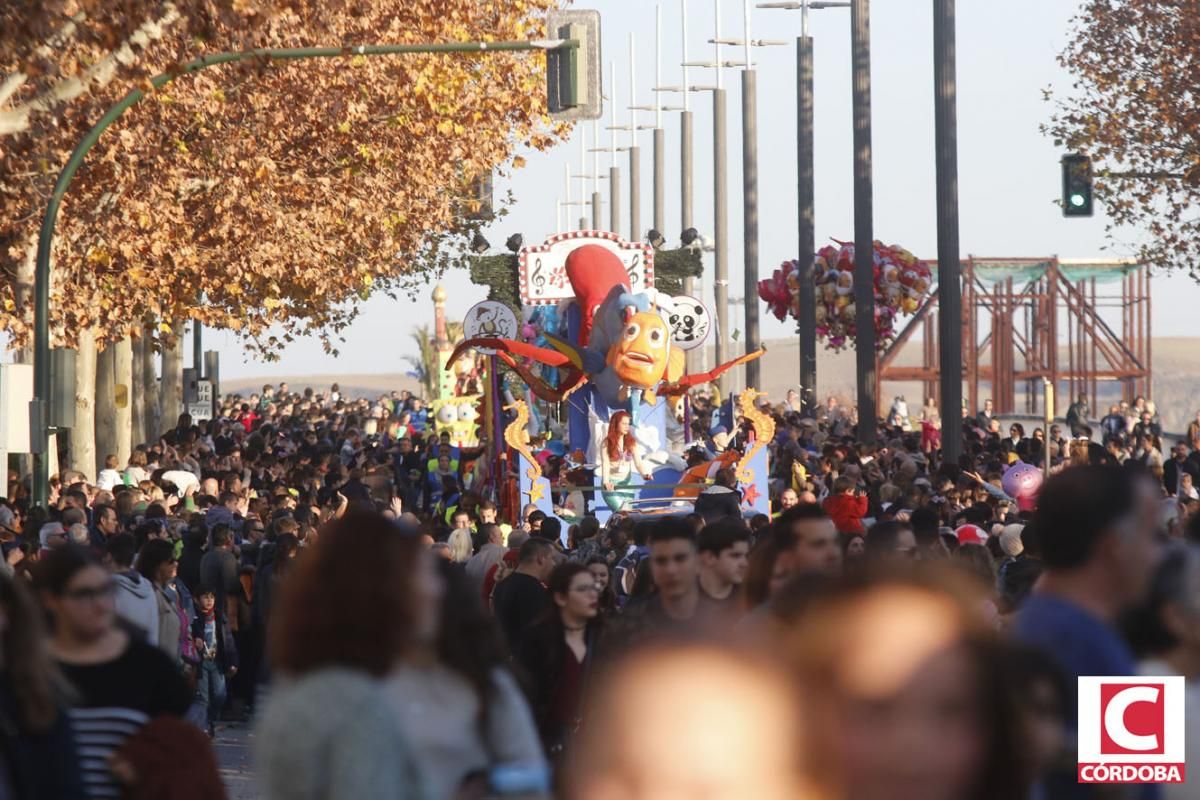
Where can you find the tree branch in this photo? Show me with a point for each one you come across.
(100, 74)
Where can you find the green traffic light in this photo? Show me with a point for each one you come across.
(1078, 200)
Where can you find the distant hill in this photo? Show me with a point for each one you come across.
(370, 386)
(1176, 377)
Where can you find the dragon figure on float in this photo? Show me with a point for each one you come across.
(616, 347)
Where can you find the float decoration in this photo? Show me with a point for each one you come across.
(594, 329)
(901, 283)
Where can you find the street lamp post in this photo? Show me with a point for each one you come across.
(864, 235)
(949, 269)
(749, 190)
(720, 197)
(805, 194)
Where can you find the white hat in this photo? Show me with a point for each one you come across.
(1010, 540)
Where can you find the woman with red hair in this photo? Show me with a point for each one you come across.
(618, 459)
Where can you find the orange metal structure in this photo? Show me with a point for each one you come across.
(1029, 319)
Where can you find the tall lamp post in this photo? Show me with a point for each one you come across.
(949, 269)
(749, 189)
(720, 197)
(660, 139)
(864, 234)
(806, 221)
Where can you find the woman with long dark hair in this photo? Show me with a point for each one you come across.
(602, 573)
(347, 615)
(618, 459)
(557, 654)
(119, 682)
(156, 563)
(457, 700)
(38, 758)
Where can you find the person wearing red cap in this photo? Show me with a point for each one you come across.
(971, 534)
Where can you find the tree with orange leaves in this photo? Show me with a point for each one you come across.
(280, 193)
(1135, 64)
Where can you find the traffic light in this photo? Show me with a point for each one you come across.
(573, 86)
(1076, 185)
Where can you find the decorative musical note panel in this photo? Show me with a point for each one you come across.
(542, 268)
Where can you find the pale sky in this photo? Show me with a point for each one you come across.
(1008, 171)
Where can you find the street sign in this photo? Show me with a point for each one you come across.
(204, 392)
(573, 82)
(199, 412)
(492, 319)
(542, 269)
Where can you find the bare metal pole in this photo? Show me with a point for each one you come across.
(750, 216)
(806, 224)
(660, 136)
(721, 229)
(949, 268)
(614, 173)
(660, 179)
(597, 211)
(614, 199)
(864, 248)
(635, 152)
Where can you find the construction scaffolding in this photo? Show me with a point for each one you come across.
(1029, 319)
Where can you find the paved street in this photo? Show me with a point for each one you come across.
(232, 744)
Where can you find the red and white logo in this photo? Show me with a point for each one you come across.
(1131, 730)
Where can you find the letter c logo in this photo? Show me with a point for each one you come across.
(1114, 718)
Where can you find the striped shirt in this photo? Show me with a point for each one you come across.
(115, 699)
(100, 732)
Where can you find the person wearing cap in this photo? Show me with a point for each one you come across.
(971, 534)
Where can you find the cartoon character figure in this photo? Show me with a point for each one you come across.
(628, 358)
(1022, 482)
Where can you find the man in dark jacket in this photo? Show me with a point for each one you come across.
(521, 598)
(219, 571)
(1177, 466)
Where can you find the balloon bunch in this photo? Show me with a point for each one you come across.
(901, 282)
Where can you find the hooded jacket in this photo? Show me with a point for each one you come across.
(136, 603)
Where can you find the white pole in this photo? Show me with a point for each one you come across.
(613, 81)
(746, 29)
(657, 63)
(596, 156)
(633, 114)
(717, 47)
(686, 92)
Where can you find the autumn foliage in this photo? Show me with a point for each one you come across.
(1136, 70)
(281, 192)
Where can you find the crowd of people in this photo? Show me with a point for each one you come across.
(331, 571)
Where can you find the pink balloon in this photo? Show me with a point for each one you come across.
(1022, 482)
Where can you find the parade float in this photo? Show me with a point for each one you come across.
(594, 339)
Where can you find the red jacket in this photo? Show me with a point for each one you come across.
(846, 511)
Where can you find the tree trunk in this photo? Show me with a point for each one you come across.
(172, 380)
(23, 297)
(123, 380)
(150, 423)
(137, 392)
(82, 453)
(106, 410)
